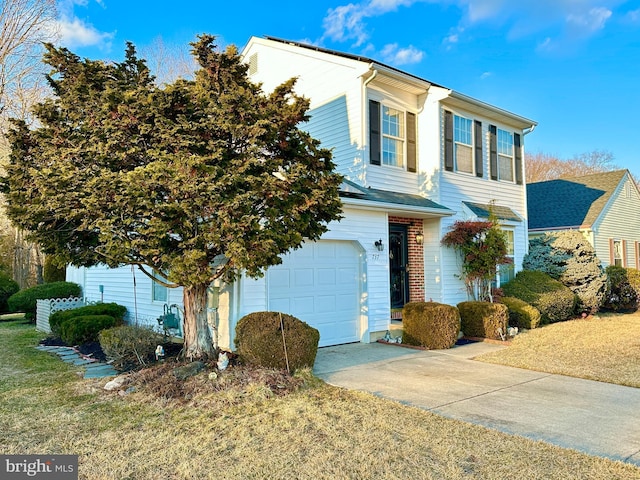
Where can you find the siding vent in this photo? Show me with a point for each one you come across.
(253, 64)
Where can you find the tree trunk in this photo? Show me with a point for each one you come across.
(197, 337)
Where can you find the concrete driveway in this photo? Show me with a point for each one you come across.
(593, 417)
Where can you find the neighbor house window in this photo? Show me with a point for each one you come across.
(463, 144)
(392, 136)
(617, 253)
(159, 292)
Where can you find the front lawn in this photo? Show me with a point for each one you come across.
(317, 431)
(605, 347)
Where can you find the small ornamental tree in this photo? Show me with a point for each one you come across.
(195, 181)
(482, 246)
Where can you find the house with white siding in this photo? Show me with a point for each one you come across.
(415, 156)
(602, 206)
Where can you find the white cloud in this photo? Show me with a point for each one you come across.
(395, 55)
(591, 21)
(76, 33)
(633, 16)
(485, 75)
(345, 23)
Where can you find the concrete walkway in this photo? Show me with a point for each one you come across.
(593, 417)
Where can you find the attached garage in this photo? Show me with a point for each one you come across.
(320, 284)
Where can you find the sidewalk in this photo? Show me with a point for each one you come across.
(593, 417)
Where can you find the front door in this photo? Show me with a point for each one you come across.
(398, 261)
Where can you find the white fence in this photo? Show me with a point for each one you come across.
(44, 309)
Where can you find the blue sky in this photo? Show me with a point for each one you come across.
(571, 65)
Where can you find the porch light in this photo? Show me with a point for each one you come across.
(379, 245)
(419, 239)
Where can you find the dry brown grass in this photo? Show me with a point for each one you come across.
(247, 431)
(604, 348)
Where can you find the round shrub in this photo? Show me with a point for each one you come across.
(129, 345)
(521, 314)
(79, 330)
(25, 300)
(620, 294)
(484, 319)
(8, 287)
(555, 302)
(431, 325)
(112, 309)
(258, 341)
(633, 277)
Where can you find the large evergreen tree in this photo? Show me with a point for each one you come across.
(199, 180)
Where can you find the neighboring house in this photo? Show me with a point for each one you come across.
(603, 206)
(416, 157)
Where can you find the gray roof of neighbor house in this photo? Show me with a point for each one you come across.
(483, 210)
(349, 189)
(570, 202)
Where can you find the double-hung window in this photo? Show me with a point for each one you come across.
(159, 292)
(392, 136)
(463, 144)
(505, 155)
(507, 270)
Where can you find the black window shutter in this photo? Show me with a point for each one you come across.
(374, 132)
(411, 142)
(493, 152)
(477, 138)
(517, 145)
(448, 141)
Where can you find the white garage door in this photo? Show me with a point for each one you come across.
(320, 284)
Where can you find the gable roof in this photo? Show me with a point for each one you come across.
(483, 210)
(570, 202)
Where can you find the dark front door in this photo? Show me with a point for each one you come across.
(398, 260)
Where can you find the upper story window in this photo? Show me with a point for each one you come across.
(392, 136)
(462, 144)
(505, 155)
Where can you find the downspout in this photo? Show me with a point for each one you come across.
(526, 202)
(364, 107)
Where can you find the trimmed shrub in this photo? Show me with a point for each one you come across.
(25, 300)
(633, 277)
(431, 325)
(484, 319)
(521, 314)
(129, 345)
(259, 341)
(555, 302)
(620, 294)
(79, 330)
(112, 309)
(8, 287)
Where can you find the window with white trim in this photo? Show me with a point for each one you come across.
(159, 293)
(505, 155)
(617, 253)
(507, 270)
(392, 137)
(463, 144)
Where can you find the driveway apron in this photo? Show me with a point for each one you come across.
(593, 417)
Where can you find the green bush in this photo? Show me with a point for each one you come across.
(51, 272)
(633, 277)
(129, 345)
(112, 309)
(8, 287)
(521, 314)
(620, 294)
(555, 302)
(25, 300)
(258, 341)
(431, 325)
(484, 319)
(79, 330)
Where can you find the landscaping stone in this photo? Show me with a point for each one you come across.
(189, 370)
(116, 383)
